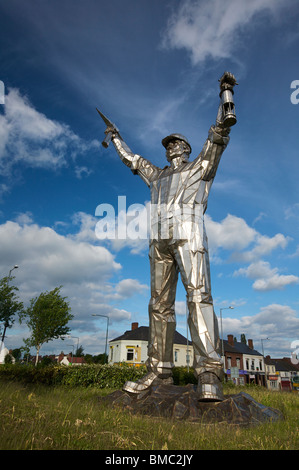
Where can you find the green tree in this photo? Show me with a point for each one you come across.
(88, 358)
(79, 352)
(100, 359)
(243, 338)
(47, 319)
(9, 304)
(8, 359)
(17, 353)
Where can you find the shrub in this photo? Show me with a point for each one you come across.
(181, 376)
(102, 376)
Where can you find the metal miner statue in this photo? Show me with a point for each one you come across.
(179, 196)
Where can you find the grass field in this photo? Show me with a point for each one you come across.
(40, 417)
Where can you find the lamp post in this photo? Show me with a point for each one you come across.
(262, 341)
(15, 267)
(187, 354)
(72, 351)
(76, 337)
(105, 316)
(224, 308)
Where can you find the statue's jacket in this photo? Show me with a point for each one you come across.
(179, 195)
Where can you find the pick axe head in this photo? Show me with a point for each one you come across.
(110, 125)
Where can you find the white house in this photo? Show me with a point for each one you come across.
(272, 376)
(254, 364)
(3, 353)
(131, 347)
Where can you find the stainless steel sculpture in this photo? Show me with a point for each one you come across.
(178, 243)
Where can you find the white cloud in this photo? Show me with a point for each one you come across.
(80, 171)
(292, 212)
(49, 258)
(133, 223)
(232, 233)
(264, 246)
(24, 218)
(180, 307)
(275, 282)
(27, 136)
(128, 287)
(296, 253)
(4, 188)
(213, 29)
(279, 323)
(87, 224)
(266, 278)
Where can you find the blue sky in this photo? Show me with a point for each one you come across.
(153, 68)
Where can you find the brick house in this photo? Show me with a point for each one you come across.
(68, 359)
(242, 363)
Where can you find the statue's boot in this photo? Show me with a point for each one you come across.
(146, 382)
(209, 387)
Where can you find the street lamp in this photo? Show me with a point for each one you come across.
(105, 316)
(76, 337)
(72, 351)
(262, 341)
(224, 308)
(15, 267)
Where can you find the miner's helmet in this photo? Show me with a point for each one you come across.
(171, 137)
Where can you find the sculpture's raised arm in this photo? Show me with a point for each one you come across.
(218, 136)
(138, 165)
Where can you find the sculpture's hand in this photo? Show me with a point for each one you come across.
(112, 130)
(219, 122)
(228, 80)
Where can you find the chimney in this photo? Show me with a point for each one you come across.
(230, 339)
(250, 343)
(134, 326)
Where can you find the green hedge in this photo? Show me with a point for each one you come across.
(102, 376)
(181, 376)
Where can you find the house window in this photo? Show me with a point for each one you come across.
(261, 365)
(252, 364)
(176, 355)
(247, 364)
(130, 354)
(229, 362)
(238, 362)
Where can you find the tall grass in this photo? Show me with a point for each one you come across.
(35, 416)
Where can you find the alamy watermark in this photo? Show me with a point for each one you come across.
(295, 94)
(154, 221)
(2, 93)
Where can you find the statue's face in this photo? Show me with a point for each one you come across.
(176, 148)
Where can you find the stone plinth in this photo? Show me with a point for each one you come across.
(180, 402)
